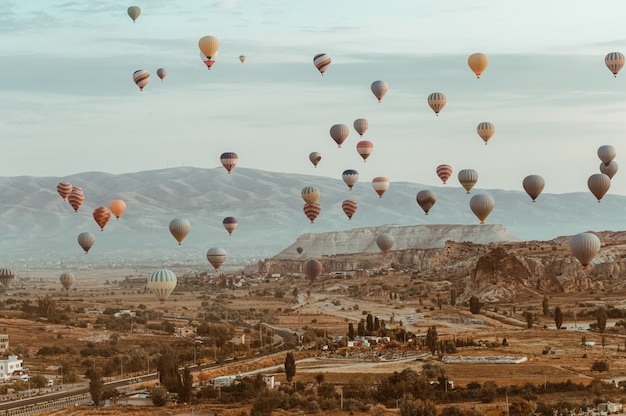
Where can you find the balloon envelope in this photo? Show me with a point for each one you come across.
(76, 197)
(242, 58)
(478, 63)
(384, 242)
(321, 62)
(67, 280)
(379, 89)
(360, 125)
(208, 45)
(426, 199)
(230, 223)
(179, 228)
(533, 185)
(6, 276)
(444, 172)
(134, 12)
(485, 130)
(312, 268)
(468, 178)
(482, 205)
(437, 101)
(161, 73)
(117, 207)
(141, 78)
(64, 189)
(86, 240)
(599, 185)
(585, 247)
(315, 158)
(162, 283)
(339, 133)
(229, 160)
(614, 61)
(350, 177)
(102, 215)
(312, 211)
(299, 250)
(606, 153)
(380, 185)
(349, 207)
(365, 149)
(310, 194)
(609, 169)
(216, 256)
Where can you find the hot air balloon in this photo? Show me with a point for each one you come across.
(380, 185)
(312, 211)
(76, 197)
(208, 45)
(134, 12)
(478, 63)
(208, 61)
(141, 78)
(614, 61)
(360, 125)
(242, 58)
(482, 205)
(606, 153)
(67, 280)
(468, 178)
(321, 62)
(444, 172)
(299, 250)
(86, 241)
(609, 170)
(379, 88)
(350, 177)
(117, 207)
(437, 101)
(365, 149)
(229, 160)
(315, 158)
(339, 133)
(64, 189)
(162, 283)
(230, 223)
(310, 194)
(161, 73)
(312, 268)
(599, 185)
(349, 207)
(533, 185)
(216, 256)
(6, 276)
(102, 215)
(179, 228)
(384, 242)
(585, 247)
(426, 199)
(485, 130)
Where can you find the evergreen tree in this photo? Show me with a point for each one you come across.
(369, 323)
(431, 339)
(474, 305)
(558, 317)
(96, 385)
(545, 305)
(351, 333)
(186, 386)
(360, 329)
(453, 296)
(290, 366)
(601, 318)
(167, 367)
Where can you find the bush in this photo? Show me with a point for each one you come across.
(600, 366)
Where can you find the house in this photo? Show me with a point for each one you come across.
(124, 312)
(185, 331)
(269, 381)
(135, 398)
(10, 367)
(223, 381)
(4, 342)
(609, 407)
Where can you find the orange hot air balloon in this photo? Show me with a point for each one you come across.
(379, 89)
(380, 185)
(478, 63)
(208, 45)
(312, 268)
(444, 172)
(349, 207)
(365, 149)
(64, 189)
(339, 133)
(312, 211)
(117, 207)
(76, 197)
(102, 215)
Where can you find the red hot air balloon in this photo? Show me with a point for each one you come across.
(312, 211)
(76, 197)
(229, 160)
(230, 223)
(444, 172)
(349, 207)
(312, 268)
(64, 189)
(102, 215)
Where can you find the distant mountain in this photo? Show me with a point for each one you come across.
(38, 228)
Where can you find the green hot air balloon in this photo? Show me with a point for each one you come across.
(162, 283)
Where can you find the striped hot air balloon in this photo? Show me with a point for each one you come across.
(481, 205)
(162, 283)
(315, 158)
(426, 199)
(230, 223)
(533, 185)
(229, 160)
(312, 268)
(379, 89)
(380, 185)
(76, 197)
(585, 247)
(349, 207)
(339, 133)
(350, 177)
(64, 189)
(86, 240)
(365, 149)
(485, 130)
(614, 61)
(310, 194)
(360, 125)
(468, 178)
(67, 281)
(216, 256)
(437, 101)
(444, 172)
(6, 276)
(312, 211)
(478, 63)
(321, 62)
(141, 78)
(102, 215)
(179, 228)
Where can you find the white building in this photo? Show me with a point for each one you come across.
(10, 367)
(4, 342)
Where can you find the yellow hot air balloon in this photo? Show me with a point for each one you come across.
(599, 185)
(485, 130)
(426, 199)
(310, 194)
(321, 62)
(380, 185)
(533, 185)
(134, 12)
(437, 101)
(208, 45)
(478, 63)
(117, 207)
(379, 89)
(179, 228)
(482, 205)
(585, 247)
(614, 61)
(468, 178)
(242, 58)
(384, 242)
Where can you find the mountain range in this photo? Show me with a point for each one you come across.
(39, 229)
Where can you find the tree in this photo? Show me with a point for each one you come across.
(474, 305)
(360, 328)
(431, 339)
(319, 378)
(96, 384)
(530, 319)
(159, 396)
(545, 304)
(290, 366)
(558, 317)
(167, 367)
(600, 366)
(186, 386)
(369, 325)
(522, 408)
(38, 381)
(453, 296)
(351, 333)
(601, 318)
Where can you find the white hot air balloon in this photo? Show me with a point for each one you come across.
(585, 247)
(162, 283)
(384, 242)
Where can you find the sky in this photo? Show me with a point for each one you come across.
(68, 103)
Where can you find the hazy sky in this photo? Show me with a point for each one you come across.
(69, 104)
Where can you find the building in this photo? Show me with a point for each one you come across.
(124, 312)
(609, 407)
(4, 342)
(10, 367)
